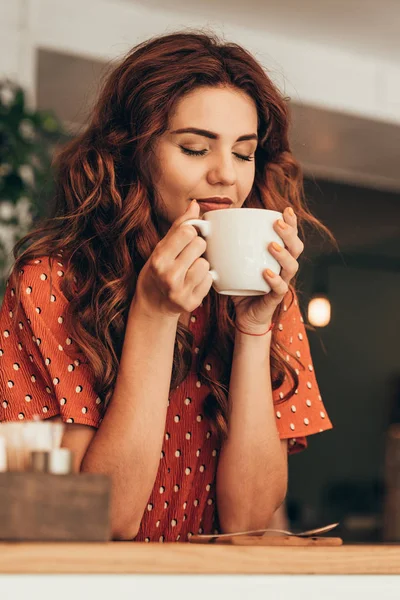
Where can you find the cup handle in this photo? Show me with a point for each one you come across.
(203, 226)
(214, 275)
(205, 230)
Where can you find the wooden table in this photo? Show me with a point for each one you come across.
(176, 558)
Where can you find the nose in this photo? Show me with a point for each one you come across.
(222, 171)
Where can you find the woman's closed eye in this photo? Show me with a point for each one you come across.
(203, 152)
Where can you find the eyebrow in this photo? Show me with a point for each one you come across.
(214, 136)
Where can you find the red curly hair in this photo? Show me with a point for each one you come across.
(104, 216)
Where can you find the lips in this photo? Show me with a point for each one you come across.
(207, 206)
(216, 200)
(215, 203)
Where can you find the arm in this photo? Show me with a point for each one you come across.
(128, 443)
(252, 470)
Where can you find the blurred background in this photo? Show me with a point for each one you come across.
(339, 62)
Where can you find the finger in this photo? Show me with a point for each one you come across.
(169, 248)
(190, 254)
(289, 264)
(201, 290)
(196, 273)
(289, 220)
(279, 287)
(176, 270)
(178, 237)
(191, 212)
(289, 216)
(289, 236)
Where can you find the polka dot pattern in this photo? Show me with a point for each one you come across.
(41, 382)
(50, 378)
(301, 415)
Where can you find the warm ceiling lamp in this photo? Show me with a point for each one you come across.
(319, 310)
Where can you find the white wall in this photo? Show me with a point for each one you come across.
(311, 73)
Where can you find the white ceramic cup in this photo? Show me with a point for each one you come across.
(237, 248)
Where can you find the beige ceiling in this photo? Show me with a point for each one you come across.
(346, 148)
(364, 26)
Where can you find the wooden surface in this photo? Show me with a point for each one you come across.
(185, 558)
(270, 540)
(47, 507)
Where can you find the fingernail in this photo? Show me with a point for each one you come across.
(276, 246)
(291, 211)
(270, 273)
(282, 224)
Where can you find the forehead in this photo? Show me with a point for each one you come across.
(223, 110)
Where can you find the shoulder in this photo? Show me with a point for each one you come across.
(38, 283)
(34, 296)
(41, 274)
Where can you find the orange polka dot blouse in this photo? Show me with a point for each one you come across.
(42, 373)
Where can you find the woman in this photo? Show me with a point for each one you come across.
(189, 400)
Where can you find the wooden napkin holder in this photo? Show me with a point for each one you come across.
(46, 507)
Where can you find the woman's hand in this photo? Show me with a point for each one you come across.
(175, 278)
(254, 313)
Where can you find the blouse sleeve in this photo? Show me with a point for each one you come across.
(304, 413)
(41, 371)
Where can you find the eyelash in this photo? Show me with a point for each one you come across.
(202, 153)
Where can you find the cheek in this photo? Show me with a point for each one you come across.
(246, 182)
(177, 175)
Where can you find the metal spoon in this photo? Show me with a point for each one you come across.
(308, 533)
(262, 532)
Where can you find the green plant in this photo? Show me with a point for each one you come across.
(27, 141)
